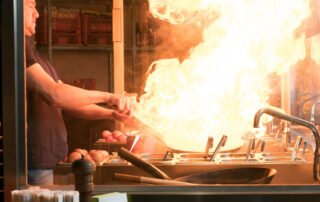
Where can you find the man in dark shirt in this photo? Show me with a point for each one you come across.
(47, 96)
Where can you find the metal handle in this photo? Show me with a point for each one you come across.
(140, 163)
(208, 147)
(148, 180)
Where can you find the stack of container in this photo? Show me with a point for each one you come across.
(65, 26)
(35, 194)
(96, 28)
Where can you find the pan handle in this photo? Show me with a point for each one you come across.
(148, 180)
(140, 163)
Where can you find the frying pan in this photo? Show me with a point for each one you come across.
(146, 129)
(243, 175)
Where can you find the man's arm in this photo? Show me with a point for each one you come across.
(66, 96)
(95, 112)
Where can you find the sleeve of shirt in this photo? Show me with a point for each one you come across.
(30, 53)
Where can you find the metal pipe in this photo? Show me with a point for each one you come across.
(297, 121)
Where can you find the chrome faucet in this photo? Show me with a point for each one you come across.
(222, 142)
(298, 121)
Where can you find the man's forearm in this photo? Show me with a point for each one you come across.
(69, 97)
(62, 95)
(90, 112)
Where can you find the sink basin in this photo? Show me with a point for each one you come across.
(242, 175)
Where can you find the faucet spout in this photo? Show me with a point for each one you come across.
(298, 121)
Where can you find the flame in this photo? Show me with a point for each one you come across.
(218, 89)
(315, 48)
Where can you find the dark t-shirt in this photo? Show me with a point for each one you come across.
(47, 135)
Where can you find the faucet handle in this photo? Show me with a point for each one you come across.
(313, 111)
(222, 142)
(260, 144)
(286, 134)
(167, 155)
(304, 148)
(296, 148)
(263, 145)
(286, 126)
(208, 147)
(251, 147)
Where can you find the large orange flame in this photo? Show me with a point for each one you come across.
(224, 82)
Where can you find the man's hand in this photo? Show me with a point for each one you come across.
(128, 120)
(122, 104)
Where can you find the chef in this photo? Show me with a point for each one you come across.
(47, 97)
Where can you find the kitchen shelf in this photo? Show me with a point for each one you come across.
(84, 48)
(82, 1)
(96, 48)
(140, 49)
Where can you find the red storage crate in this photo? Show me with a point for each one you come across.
(97, 39)
(96, 28)
(65, 25)
(65, 20)
(96, 23)
(66, 38)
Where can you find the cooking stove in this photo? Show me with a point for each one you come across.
(269, 151)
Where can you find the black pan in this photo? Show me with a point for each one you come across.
(243, 175)
(246, 175)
